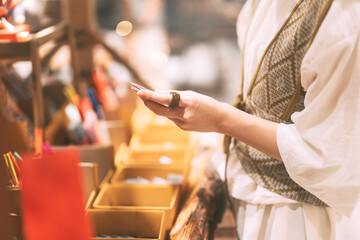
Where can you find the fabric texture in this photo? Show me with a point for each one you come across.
(320, 148)
(275, 92)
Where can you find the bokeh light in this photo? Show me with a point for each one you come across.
(124, 28)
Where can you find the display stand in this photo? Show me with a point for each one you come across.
(6, 228)
(78, 28)
(29, 51)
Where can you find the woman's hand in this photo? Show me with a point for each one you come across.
(196, 112)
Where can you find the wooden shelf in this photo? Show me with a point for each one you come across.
(29, 51)
(21, 51)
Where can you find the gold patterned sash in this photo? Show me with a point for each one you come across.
(275, 93)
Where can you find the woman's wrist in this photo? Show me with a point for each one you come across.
(254, 131)
(226, 119)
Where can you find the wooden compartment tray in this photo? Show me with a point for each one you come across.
(102, 155)
(147, 172)
(161, 136)
(151, 156)
(14, 194)
(134, 223)
(140, 197)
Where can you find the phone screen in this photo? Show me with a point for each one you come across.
(136, 87)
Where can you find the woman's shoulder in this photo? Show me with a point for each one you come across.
(340, 25)
(344, 16)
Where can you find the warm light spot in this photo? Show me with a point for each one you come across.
(23, 34)
(124, 28)
(161, 121)
(158, 59)
(169, 145)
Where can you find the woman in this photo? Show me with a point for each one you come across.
(292, 138)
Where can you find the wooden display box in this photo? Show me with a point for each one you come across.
(102, 155)
(14, 196)
(10, 211)
(140, 197)
(107, 178)
(91, 199)
(16, 222)
(151, 156)
(153, 127)
(140, 224)
(161, 136)
(90, 178)
(112, 132)
(160, 123)
(91, 187)
(121, 154)
(148, 172)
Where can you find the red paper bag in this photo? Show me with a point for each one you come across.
(52, 198)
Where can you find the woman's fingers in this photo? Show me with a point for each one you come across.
(196, 112)
(159, 109)
(177, 121)
(163, 98)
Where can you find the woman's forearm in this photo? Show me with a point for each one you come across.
(254, 131)
(197, 112)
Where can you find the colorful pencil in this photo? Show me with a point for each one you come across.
(17, 168)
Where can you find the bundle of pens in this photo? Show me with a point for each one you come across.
(104, 89)
(83, 115)
(13, 163)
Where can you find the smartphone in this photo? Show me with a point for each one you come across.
(136, 87)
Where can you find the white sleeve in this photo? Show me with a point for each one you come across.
(243, 22)
(321, 150)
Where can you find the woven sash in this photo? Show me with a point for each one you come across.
(275, 93)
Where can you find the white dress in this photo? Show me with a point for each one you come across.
(321, 150)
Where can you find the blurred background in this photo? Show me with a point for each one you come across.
(191, 44)
(162, 44)
(187, 44)
(72, 88)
